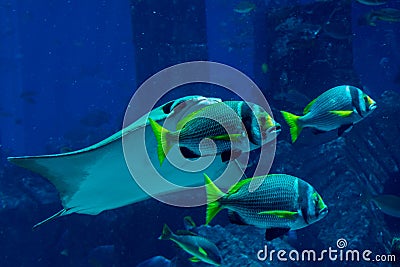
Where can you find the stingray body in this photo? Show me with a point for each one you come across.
(97, 178)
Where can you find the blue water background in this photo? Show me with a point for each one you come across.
(69, 68)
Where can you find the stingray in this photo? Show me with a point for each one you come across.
(98, 178)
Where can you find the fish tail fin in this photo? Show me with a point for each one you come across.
(293, 122)
(188, 222)
(166, 233)
(165, 140)
(213, 194)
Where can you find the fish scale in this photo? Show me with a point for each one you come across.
(339, 108)
(319, 115)
(274, 193)
(233, 126)
(212, 121)
(213, 129)
(280, 203)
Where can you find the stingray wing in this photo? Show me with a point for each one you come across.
(97, 178)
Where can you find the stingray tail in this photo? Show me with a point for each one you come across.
(165, 140)
(55, 216)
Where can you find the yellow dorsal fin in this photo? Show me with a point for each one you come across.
(195, 114)
(241, 183)
(308, 107)
(189, 117)
(342, 113)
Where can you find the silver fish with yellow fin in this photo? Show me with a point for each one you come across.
(229, 124)
(388, 204)
(338, 108)
(372, 2)
(281, 203)
(384, 14)
(199, 247)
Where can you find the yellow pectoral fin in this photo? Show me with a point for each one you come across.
(194, 259)
(202, 251)
(342, 113)
(285, 214)
(227, 137)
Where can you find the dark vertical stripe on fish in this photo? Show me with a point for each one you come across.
(355, 99)
(303, 202)
(250, 123)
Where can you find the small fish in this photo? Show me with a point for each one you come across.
(384, 14)
(338, 108)
(372, 2)
(29, 96)
(388, 204)
(264, 68)
(189, 223)
(281, 203)
(337, 31)
(199, 247)
(214, 122)
(244, 7)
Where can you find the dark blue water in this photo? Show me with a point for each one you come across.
(69, 68)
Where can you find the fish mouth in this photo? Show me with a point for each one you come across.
(372, 107)
(323, 211)
(275, 129)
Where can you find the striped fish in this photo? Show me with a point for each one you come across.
(338, 108)
(199, 247)
(230, 124)
(281, 203)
